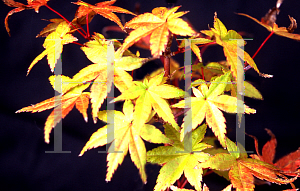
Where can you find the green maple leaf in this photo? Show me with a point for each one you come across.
(207, 103)
(126, 137)
(176, 159)
(151, 93)
(229, 41)
(97, 51)
(242, 169)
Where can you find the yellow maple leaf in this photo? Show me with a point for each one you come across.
(125, 137)
(207, 104)
(54, 45)
(159, 24)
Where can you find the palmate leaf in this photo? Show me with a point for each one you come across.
(151, 93)
(103, 8)
(126, 137)
(231, 47)
(32, 4)
(62, 105)
(208, 103)
(243, 169)
(159, 24)
(288, 164)
(176, 160)
(54, 45)
(96, 51)
(281, 31)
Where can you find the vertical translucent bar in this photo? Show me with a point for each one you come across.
(187, 141)
(110, 96)
(57, 102)
(240, 121)
(240, 117)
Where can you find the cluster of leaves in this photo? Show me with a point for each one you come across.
(185, 152)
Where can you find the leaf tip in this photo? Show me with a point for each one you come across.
(86, 119)
(95, 120)
(266, 75)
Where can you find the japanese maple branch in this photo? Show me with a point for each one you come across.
(167, 55)
(87, 26)
(78, 43)
(70, 23)
(262, 44)
(183, 182)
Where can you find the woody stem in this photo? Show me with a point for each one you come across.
(167, 55)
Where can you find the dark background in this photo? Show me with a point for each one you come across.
(24, 165)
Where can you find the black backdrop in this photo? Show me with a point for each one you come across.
(24, 165)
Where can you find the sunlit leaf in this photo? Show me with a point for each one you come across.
(151, 94)
(104, 8)
(207, 104)
(126, 137)
(159, 24)
(232, 43)
(62, 106)
(54, 45)
(178, 160)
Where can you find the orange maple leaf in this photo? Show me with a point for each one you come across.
(288, 164)
(273, 27)
(103, 8)
(159, 24)
(62, 106)
(32, 4)
(243, 169)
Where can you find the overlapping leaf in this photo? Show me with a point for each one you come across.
(151, 93)
(232, 43)
(242, 169)
(159, 24)
(207, 103)
(76, 22)
(288, 164)
(179, 158)
(102, 54)
(104, 8)
(62, 105)
(124, 136)
(32, 4)
(54, 45)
